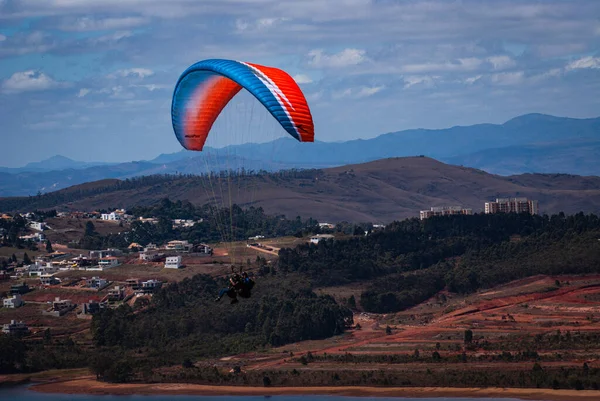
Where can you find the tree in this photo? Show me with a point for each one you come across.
(351, 302)
(49, 246)
(26, 259)
(468, 336)
(90, 229)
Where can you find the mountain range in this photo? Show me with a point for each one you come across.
(530, 143)
(378, 191)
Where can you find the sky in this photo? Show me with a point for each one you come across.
(92, 80)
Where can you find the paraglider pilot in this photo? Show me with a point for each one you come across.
(238, 285)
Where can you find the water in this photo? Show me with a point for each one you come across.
(21, 393)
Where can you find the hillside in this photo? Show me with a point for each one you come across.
(529, 143)
(379, 191)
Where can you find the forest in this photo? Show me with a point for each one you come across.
(412, 260)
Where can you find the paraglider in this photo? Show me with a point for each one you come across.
(205, 88)
(202, 92)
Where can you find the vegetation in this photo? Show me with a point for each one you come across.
(78, 192)
(412, 260)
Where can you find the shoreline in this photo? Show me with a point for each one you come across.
(89, 385)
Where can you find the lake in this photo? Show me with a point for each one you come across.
(21, 393)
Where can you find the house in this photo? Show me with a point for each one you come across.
(327, 225)
(15, 327)
(13, 302)
(173, 262)
(97, 283)
(113, 216)
(38, 226)
(116, 294)
(60, 307)
(19, 288)
(92, 307)
(48, 279)
(35, 237)
(151, 256)
(105, 253)
(150, 220)
(203, 248)
(108, 262)
(4, 275)
(150, 286)
(179, 246)
(134, 246)
(315, 239)
(183, 223)
(133, 283)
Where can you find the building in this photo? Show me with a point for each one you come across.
(60, 307)
(19, 288)
(173, 262)
(13, 302)
(105, 253)
(315, 239)
(48, 279)
(92, 307)
(151, 256)
(108, 262)
(203, 248)
(117, 215)
(116, 294)
(149, 287)
(444, 211)
(36, 225)
(179, 246)
(327, 225)
(97, 283)
(512, 205)
(15, 327)
(133, 283)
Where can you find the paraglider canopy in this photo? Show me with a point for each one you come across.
(205, 88)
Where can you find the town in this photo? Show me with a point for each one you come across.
(79, 283)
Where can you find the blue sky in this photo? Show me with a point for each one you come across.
(92, 80)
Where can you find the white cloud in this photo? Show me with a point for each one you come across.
(413, 80)
(111, 38)
(153, 87)
(347, 57)
(2, 38)
(357, 93)
(472, 80)
(27, 81)
(501, 62)
(585, 62)
(42, 125)
(461, 64)
(302, 79)
(508, 78)
(132, 72)
(85, 24)
(82, 92)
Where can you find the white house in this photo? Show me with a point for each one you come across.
(173, 262)
(110, 216)
(13, 302)
(36, 225)
(319, 237)
(107, 262)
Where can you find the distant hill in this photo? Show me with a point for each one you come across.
(529, 143)
(53, 163)
(571, 157)
(379, 191)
